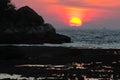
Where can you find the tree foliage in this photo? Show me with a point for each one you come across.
(5, 5)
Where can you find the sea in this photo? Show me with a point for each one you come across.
(92, 38)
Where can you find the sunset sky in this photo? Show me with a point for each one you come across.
(88, 13)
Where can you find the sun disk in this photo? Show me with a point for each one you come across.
(75, 21)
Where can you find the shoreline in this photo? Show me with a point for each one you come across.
(63, 45)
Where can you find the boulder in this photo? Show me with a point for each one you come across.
(49, 29)
(29, 14)
(57, 38)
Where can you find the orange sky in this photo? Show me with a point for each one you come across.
(93, 13)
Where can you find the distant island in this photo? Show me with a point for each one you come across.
(25, 26)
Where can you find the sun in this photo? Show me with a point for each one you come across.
(75, 21)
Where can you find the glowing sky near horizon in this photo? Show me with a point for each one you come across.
(92, 13)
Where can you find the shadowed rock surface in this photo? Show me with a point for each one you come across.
(26, 26)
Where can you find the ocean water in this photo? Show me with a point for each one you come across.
(93, 38)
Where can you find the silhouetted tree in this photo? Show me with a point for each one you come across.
(5, 5)
(5, 9)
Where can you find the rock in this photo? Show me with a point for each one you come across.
(25, 26)
(57, 38)
(63, 38)
(49, 29)
(31, 15)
